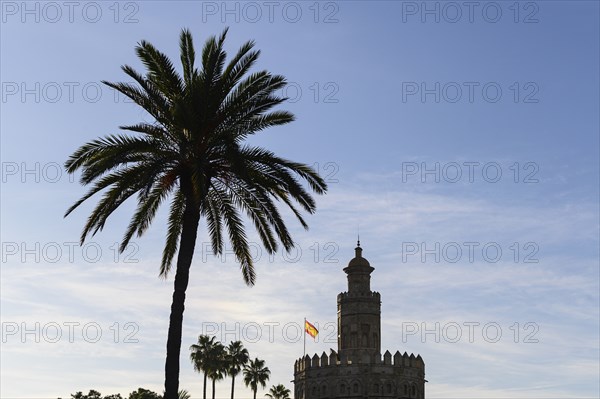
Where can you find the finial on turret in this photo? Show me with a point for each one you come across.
(358, 249)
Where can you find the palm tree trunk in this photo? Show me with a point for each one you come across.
(232, 385)
(189, 231)
(213, 391)
(205, 376)
(254, 393)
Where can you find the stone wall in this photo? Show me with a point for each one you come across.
(387, 376)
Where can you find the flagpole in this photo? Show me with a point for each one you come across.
(304, 355)
(304, 333)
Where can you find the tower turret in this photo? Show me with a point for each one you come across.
(359, 313)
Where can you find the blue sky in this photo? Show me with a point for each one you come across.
(463, 141)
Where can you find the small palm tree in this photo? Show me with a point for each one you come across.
(256, 373)
(237, 357)
(195, 155)
(200, 356)
(278, 392)
(216, 365)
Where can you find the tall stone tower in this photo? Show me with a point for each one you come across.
(359, 312)
(357, 369)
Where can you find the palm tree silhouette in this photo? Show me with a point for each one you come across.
(237, 357)
(278, 392)
(256, 373)
(216, 365)
(194, 156)
(200, 356)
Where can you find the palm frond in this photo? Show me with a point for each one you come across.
(174, 225)
(146, 210)
(186, 48)
(161, 71)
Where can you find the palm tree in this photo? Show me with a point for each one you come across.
(200, 356)
(279, 392)
(256, 373)
(195, 156)
(216, 365)
(237, 357)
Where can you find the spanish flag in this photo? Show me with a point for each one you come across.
(310, 329)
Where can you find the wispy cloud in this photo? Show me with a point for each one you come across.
(558, 294)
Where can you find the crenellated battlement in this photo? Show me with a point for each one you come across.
(333, 360)
(370, 294)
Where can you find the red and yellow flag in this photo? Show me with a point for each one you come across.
(310, 329)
